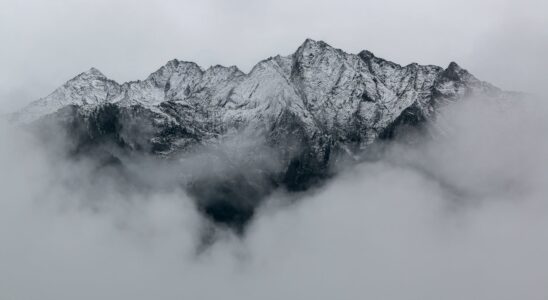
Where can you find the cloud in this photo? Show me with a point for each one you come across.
(459, 216)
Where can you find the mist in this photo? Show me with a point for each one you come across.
(460, 215)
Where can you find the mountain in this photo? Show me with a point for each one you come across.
(284, 124)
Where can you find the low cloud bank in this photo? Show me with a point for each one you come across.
(460, 216)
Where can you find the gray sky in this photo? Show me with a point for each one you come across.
(461, 217)
(45, 43)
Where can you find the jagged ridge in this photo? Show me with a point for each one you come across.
(311, 106)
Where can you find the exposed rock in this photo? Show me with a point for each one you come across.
(308, 109)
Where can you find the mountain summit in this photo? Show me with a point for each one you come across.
(308, 109)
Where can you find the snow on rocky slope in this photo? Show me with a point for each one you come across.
(310, 107)
(324, 86)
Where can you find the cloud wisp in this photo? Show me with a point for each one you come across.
(459, 216)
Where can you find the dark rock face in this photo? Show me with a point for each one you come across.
(411, 118)
(308, 110)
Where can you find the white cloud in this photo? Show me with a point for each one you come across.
(459, 217)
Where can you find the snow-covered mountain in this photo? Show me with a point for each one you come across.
(310, 107)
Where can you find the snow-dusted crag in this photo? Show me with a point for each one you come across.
(310, 107)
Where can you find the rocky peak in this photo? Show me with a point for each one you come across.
(313, 44)
(366, 55)
(456, 73)
(311, 49)
(91, 74)
(94, 72)
(315, 60)
(174, 67)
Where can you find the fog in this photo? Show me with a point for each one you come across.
(462, 215)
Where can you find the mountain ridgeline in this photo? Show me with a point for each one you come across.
(231, 138)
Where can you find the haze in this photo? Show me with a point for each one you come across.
(46, 43)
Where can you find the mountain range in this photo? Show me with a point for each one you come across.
(235, 137)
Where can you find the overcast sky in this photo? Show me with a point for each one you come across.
(45, 43)
(461, 216)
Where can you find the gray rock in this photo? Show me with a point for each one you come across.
(307, 109)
